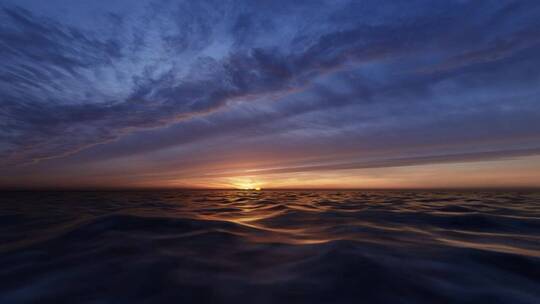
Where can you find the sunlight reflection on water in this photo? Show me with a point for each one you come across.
(271, 246)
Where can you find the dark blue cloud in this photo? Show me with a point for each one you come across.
(396, 77)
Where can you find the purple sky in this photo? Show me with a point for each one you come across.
(269, 93)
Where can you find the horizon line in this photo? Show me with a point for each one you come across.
(119, 189)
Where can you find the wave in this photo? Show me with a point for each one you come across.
(269, 247)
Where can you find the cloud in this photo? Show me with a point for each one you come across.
(396, 162)
(181, 68)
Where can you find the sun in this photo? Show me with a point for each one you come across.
(247, 185)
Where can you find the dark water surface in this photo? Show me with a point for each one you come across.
(270, 247)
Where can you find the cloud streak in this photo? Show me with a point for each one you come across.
(389, 163)
(182, 75)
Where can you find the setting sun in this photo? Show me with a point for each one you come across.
(246, 184)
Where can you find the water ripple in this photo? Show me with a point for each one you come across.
(269, 247)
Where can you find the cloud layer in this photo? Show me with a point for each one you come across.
(268, 81)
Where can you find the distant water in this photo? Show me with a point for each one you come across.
(270, 247)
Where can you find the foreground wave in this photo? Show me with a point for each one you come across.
(269, 247)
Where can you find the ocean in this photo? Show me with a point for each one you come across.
(270, 247)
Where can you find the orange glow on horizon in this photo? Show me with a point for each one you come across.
(507, 173)
(245, 183)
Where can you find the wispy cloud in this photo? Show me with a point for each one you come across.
(272, 73)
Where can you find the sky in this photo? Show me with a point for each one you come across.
(269, 94)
